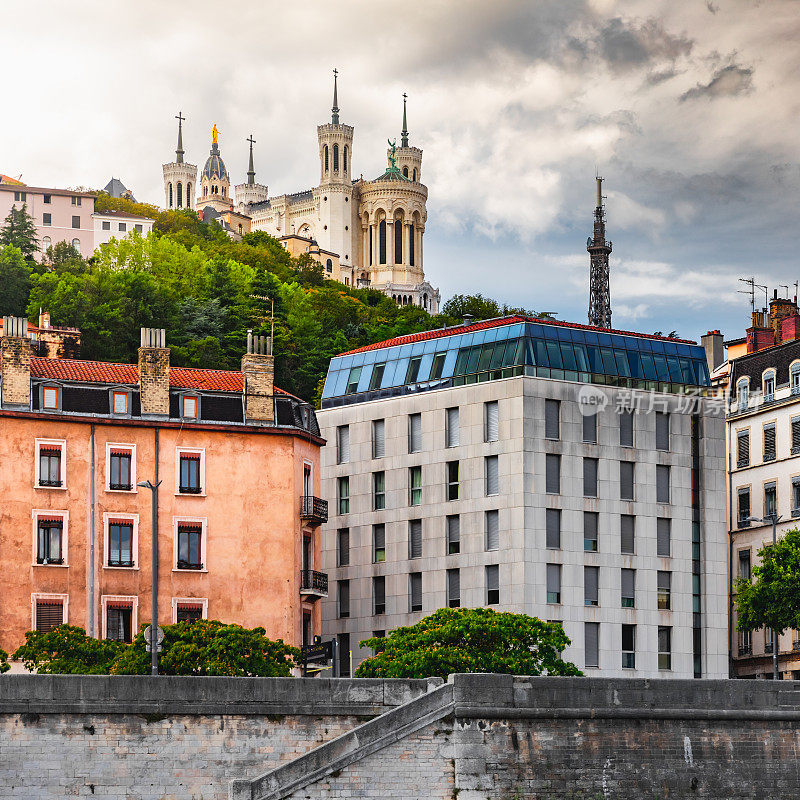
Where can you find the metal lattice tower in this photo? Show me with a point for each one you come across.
(599, 250)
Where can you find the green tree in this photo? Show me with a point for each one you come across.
(15, 282)
(67, 650)
(478, 306)
(469, 640)
(4, 666)
(772, 598)
(63, 257)
(19, 231)
(209, 647)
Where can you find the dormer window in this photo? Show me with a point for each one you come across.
(189, 407)
(743, 392)
(51, 395)
(794, 377)
(120, 402)
(769, 386)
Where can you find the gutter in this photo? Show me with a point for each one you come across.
(92, 532)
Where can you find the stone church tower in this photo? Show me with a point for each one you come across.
(215, 183)
(180, 178)
(251, 192)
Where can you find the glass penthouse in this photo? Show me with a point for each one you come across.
(463, 471)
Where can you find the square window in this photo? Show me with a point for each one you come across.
(138, 228)
(47, 219)
(120, 400)
(188, 613)
(50, 396)
(76, 222)
(49, 614)
(48, 199)
(123, 227)
(106, 226)
(189, 407)
(119, 622)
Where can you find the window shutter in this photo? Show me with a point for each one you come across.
(626, 429)
(590, 428)
(415, 433)
(415, 538)
(379, 591)
(416, 591)
(664, 580)
(628, 582)
(662, 483)
(552, 473)
(344, 547)
(551, 419)
(627, 529)
(453, 588)
(553, 527)
(379, 535)
(344, 598)
(453, 530)
(590, 584)
(663, 532)
(796, 435)
(553, 579)
(492, 421)
(662, 430)
(493, 530)
(492, 478)
(344, 443)
(378, 438)
(744, 503)
(49, 615)
(492, 577)
(626, 480)
(769, 442)
(591, 643)
(590, 525)
(590, 477)
(743, 443)
(453, 433)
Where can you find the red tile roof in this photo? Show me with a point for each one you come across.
(495, 323)
(63, 369)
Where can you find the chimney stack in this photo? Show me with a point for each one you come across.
(15, 363)
(712, 342)
(44, 319)
(154, 373)
(258, 368)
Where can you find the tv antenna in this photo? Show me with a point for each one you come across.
(751, 282)
(784, 286)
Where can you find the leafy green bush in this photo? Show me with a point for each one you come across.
(67, 650)
(4, 666)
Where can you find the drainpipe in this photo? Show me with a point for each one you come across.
(728, 428)
(91, 532)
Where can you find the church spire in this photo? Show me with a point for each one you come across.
(251, 173)
(335, 107)
(404, 132)
(599, 250)
(179, 151)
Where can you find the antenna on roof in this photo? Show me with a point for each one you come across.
(784, 286)
(751, 282)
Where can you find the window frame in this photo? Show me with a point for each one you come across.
(768, 375)
(189, 601)
(177, 521)
(742, 393)
(492, 569)
(378, 497)
(452, 486)
(184, 397)
(342, 500)
(36, 513)
(375, 548)
(107, 599)
(114, 393)
(54, 443)
(413, 470)
(452, 545)
(487, 460)
(133, 520)
(36, 597)
(120, 446)
(43, 391)
(181, 451)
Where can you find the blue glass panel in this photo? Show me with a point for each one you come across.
(685, 350)
(590, 337)
(635, 364)
(514, 352)
(486, 355)
(449, 363)
(661, 367)
(425, 367)
(550, 331)
(564, 334)
(553, 354)
(371, 356)
(492, 334)
(702, 368)
(577, 335)
(604, 339)
(514, 331)
(687, 373)
(657, 345)
(540, 348)
(535, 331)
(568, 356)
(479, 337)
(497, 355)
(472, 361)
(609, 364)
(595, 359)
(645, 345)
(330, 382)
(405, 351)
(674, 369)
(431, 345)
(341, 383)
(649, 367)
(621, 357)
(670, 348)
(461, 361)
(631, 343)
(345, 363)
(389, 373)
(582, 358)
(418, 348)
(363, 381)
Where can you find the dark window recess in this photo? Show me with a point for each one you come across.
(50, 466)
(136, 404)
(796, 435)
(120, 477)
(222, 409)
(118, 623)
(743, 447)
(343, 640)
(379, 594)
(415, 591)
(49, 541)
(88, 401)
(188, 613)
(120, 544)
(627, 528)
(49, 615)
(190, 474)
(769, 442)
(174, 405)
(189, 541)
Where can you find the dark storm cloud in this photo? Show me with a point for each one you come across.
(629, 44)
(726, 82)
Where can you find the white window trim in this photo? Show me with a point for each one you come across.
(58, 389)
(121, 414)
(134, 519)
(64, 598)
(119, 446)
(194, 601)
(46, 512)
(203, 541)
(196, 397)
(62, 443)
(119, 598)
(179, 451)
(310, 464)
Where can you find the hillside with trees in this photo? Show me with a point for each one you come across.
(207, 290)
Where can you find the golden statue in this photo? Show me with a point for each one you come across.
(214, 134)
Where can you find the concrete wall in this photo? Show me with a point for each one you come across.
(474, 738)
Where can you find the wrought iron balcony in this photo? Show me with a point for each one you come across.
(313, 585)
(314, 510)
(745, 649)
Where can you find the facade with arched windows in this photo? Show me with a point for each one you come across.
(179, 178)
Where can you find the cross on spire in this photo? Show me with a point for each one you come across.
(251, 173)
(335, 107)
(179, 151)
(404, 132)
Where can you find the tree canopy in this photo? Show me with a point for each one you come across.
(772, 598)
(19, 231)
(67, 650)
(15, 282)
(4, 665)
(469, 640)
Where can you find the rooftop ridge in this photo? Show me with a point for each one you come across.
(422, 336)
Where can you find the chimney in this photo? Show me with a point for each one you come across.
(712, 342)
(15, 363)
(790, 328)
(44, 319)
(154, 373)
(779, 309)
(258, 368)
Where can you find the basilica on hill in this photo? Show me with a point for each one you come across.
(365, 233)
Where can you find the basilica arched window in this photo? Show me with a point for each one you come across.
(188, 195)
(329, 265)
(326, 158)
(344, 158)
(415, 174)
(411, 229)
(405, 171)
(425, 301)
(336, 158)
(382, 242)
(398, 240)
(180, 195)
(170, 195)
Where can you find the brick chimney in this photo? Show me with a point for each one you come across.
(154, 373)
(790, 328)
(712, 343)
(15, 363)
(44, 319)
(258, 367)
(760, 334)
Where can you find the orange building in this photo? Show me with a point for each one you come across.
(238, 516)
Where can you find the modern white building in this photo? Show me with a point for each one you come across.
(110, 225)
(464, 468)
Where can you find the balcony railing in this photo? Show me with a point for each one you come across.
(314, 510)
(313, 584)
(745, 649)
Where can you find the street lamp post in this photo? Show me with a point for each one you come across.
(153, 487)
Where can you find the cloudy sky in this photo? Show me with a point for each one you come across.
(690, 109)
